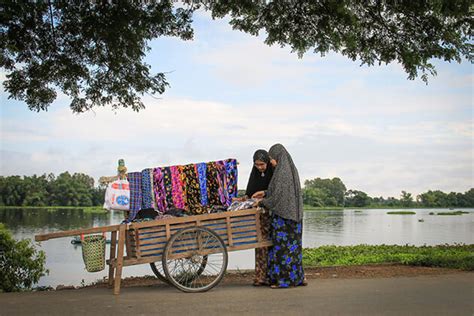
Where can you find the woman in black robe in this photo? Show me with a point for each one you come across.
(259, 180)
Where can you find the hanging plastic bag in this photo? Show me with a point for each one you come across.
(117, 196)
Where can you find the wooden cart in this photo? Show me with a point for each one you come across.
(189, 253)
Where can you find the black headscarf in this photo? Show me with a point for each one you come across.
(259, 181)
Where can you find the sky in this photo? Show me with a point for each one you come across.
(231, 94)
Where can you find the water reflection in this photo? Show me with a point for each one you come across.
(332, 227)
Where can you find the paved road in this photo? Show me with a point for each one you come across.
(450, 294)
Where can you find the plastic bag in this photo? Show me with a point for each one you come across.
(117, 196)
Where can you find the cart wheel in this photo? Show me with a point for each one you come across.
(195, 259)
(157, 269)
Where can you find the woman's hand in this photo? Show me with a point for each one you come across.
(257, 203)
(258, 195)
(240, 199)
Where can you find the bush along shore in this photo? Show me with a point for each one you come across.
(458, 256)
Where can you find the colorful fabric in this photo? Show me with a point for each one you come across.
(285, 258)
(135, 183)
(193, 190)
(201, 171)
(177, 190)
(182, 184)
(261, 254)
(168, 186)
(147, 188)
(193, 187)
(159, 190)
(212, 184)
(222, 181)
(231, 176)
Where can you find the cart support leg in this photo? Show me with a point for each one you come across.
(113, 249)
(118, 268)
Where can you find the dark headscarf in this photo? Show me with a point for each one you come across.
(259, 181)
(284, 191)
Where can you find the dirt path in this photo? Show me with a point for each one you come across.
(351, 272)
(387, 290)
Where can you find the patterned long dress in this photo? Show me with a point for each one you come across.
(285, 258)
(261, 254)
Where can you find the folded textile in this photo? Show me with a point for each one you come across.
(242, 205)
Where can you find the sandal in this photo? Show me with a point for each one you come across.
(304, 283)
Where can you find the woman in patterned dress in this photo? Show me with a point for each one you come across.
(285, 202)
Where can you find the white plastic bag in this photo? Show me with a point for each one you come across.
(117, 196)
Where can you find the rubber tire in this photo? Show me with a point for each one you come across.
(158, 273)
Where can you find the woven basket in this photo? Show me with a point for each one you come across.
(93, 253)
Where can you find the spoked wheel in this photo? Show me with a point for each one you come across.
(195, 259)
(157, 268)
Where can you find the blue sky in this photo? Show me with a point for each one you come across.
(231, 94)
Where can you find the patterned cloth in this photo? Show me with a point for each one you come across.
(222, 182)
(231, 179)
(168, 186)
(193, 190)
(135, 182)
(159, 190)
(261, 254)
(212, 184)
(285, 258)
(177, 189)
(201, 170)
(147, 189)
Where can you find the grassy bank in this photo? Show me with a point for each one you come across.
(402, 213)
(444, 256)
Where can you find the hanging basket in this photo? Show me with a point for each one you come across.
(93, 252)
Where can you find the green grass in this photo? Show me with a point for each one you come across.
(402, 213)
(446, 256)
(452, 213)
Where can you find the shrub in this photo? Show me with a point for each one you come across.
(21, 264)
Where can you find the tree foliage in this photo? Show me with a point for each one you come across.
(332, 192)
(92, 51)
(47, 190)
(324, 192)
(374, 32)
(21, 264)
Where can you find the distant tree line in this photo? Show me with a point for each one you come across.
(332, 192)
(78, 190)
(48, 190)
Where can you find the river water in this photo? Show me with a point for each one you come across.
(329, 227)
